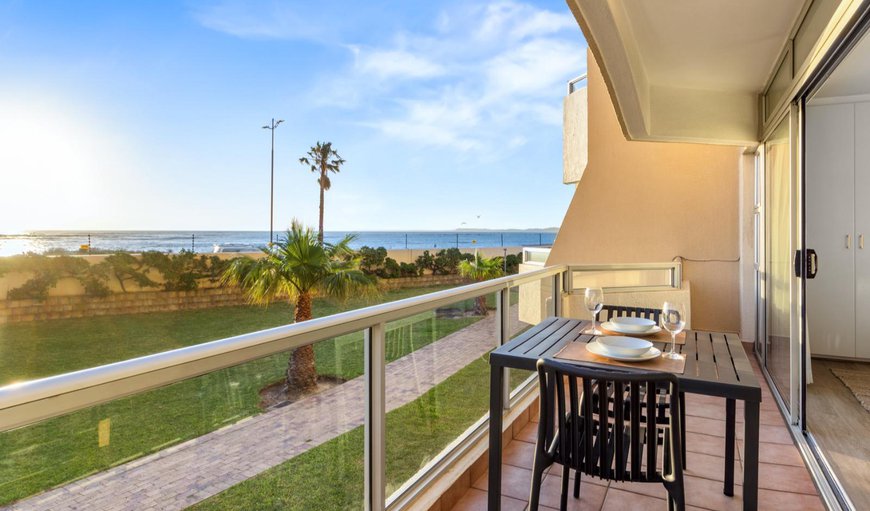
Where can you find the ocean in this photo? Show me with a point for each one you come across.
(205, 241)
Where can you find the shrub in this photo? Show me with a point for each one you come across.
(47, 271)
(513, 262)
(126, 268)
(447, 261)
(372, 259)
(392, 269)
(425, 262)
(183, 271)
(408, 270)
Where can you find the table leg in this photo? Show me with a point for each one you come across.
(730, 419)
(496, 404)
(750, 455)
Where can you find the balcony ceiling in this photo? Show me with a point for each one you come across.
(687, 70)
(715, 45)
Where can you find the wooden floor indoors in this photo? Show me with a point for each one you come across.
(841, 427)
(784, 482)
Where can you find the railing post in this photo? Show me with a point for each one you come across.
(557, 294)
(375, 421)
(503, 325)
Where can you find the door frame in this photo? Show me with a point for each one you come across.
(832, 60)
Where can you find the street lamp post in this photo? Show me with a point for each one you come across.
(271, 128)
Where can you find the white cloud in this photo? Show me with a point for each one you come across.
(258, 20)
(483, 80)
(395, 64)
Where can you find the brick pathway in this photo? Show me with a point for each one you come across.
(187, 473)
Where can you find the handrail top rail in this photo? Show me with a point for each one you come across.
(307, 332)
(574, 81)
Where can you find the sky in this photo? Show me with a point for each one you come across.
(149, 115)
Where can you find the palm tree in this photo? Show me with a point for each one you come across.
(480, 269)
(299, 268)
(322, 159)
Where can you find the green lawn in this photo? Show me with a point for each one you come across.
(63, 449)
(416, 432)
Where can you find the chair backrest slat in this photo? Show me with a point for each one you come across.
(607, 418)
(618, 428)
(602, 429)
(609, 312)
(564, 436)
(575, 420)
(651, 431)
(634, 415)
(588, 417)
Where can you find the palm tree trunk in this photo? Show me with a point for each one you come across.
(301, 369)
(320, 225)
(480, 306)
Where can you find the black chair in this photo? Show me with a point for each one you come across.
(609, 312)
(620, 441)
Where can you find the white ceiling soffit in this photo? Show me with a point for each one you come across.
(852, 75)
(687, 70)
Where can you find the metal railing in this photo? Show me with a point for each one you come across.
(572, 83)
(26, 403)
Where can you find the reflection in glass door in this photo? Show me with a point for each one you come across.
(778, 259)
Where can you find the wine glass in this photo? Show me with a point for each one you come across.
(673, 320)
(594, 301)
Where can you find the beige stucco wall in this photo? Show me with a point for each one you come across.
(575, 135)
(653, 202)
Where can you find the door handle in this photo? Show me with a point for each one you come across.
(848, 241)
(861, 241)
(812, 263)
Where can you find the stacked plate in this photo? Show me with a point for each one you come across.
(632, 326)
(626, 349)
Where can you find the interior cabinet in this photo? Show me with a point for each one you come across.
(830, 228)
(862, 227)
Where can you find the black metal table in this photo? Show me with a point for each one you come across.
(716, 365)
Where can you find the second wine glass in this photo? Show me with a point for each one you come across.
(594, 301)
(673, 320)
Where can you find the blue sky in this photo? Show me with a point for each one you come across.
(148, 115)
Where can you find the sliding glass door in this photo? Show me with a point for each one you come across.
(778, 305)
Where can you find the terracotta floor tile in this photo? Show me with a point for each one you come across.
(709, 410)
(515, 482)
(780, 454)
(785, 478)
(591, 495)
(711, 467)
(529, 433)
(619, 500)
(519, 454)
(708, 494)
(768, 499)
(772, 434)
(706, 444)
(650, 489)
(476, 500)
(706, 426)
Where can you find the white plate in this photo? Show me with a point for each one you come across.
(613, 327)
(634, 325)
(624, 346)
(594, 347)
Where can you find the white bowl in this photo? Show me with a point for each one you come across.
(633, 324)
(624, 346)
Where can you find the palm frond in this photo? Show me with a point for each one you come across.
(298, 263)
